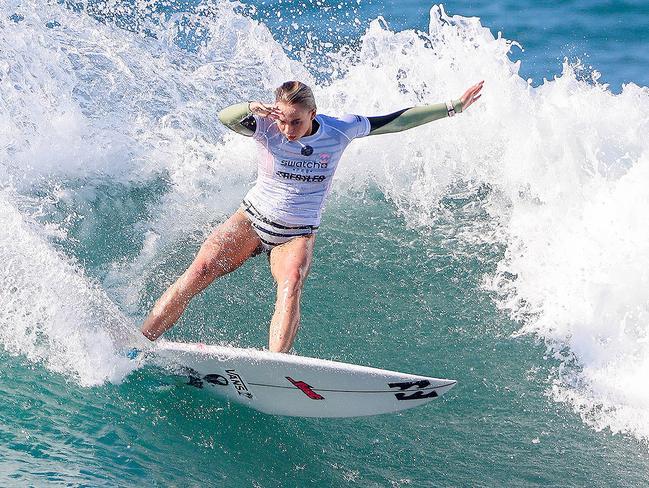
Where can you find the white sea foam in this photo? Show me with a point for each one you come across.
(51, 313)
(86, 104)
(566, 163)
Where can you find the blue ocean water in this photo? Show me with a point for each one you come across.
(605, 36)
(506, 248)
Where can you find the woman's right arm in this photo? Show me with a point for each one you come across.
(239, 117)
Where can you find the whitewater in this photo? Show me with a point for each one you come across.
(113, 165)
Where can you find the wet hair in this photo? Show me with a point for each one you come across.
(295, 93)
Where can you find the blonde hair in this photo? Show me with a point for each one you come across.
(295, 93)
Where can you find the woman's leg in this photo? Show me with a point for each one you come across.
(290, 264)
(227, 248)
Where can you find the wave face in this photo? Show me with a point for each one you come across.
(103, 125)
(565, 165)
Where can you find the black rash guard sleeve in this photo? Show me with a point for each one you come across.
(249, 123)
(379, 121)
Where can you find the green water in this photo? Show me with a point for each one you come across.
(379, 294)
(114, 170)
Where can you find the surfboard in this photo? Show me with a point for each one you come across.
(286, 384)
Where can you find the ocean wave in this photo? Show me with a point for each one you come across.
(560, 171)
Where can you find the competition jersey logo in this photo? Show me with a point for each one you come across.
(305, 170)
(306, 389)
(296, 163)
(300, 177)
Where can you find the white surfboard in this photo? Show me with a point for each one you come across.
(285, 384)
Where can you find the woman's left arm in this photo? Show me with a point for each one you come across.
(416, 116)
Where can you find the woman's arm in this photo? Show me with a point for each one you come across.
(239, 117)
(416, 116)
(412, 117)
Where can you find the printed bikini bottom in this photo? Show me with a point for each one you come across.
(271, 233)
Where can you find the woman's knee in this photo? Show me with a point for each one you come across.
(200, 274)
(292, 281)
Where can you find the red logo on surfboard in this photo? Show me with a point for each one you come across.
(306, 389)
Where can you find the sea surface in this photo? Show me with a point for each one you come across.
(507, 248)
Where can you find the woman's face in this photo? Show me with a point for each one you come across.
(295, 121)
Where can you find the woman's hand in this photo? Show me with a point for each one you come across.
(471, 95)
(263, 110)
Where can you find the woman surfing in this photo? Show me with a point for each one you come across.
(299, 151)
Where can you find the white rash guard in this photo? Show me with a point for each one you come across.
(294, 177)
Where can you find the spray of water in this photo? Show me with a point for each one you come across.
(559, 171)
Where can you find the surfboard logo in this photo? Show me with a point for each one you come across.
(237, 381)
(306, 389)
(197, 380)
(413, 390)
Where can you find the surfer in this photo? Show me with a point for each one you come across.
(299, 152)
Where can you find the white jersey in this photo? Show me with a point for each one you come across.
(294, 177)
